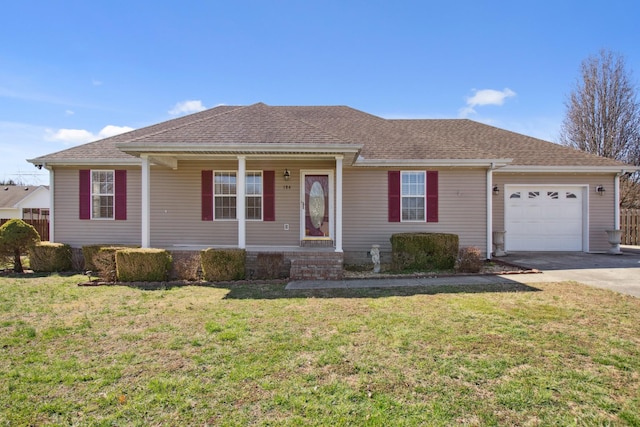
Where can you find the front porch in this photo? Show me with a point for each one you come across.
(293, 262)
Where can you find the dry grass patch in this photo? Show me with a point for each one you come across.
(257, 354)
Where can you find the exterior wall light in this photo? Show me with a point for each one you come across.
(600, 189)
(496, 190)
(286, 174)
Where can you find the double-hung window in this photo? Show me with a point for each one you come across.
(413, 195)
(224, 190)
(102, 194)
(253, 186)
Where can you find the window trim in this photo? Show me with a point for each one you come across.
(112, 195)
(403, 196)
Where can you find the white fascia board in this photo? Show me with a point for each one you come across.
(568, 169)
(237, 148)
(88, 162)
(485, 163)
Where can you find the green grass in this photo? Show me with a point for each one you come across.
(559, 354)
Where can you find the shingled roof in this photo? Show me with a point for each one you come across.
(372, 138)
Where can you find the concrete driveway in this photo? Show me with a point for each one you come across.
(620, 273)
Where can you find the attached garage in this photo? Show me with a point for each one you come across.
(546, 218)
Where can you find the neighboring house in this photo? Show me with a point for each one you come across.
(291, 179)
(24, 202)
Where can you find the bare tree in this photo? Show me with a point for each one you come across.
(603, 115)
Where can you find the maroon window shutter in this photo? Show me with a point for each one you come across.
(394, 196)
(432, 196)
(207, 195)
(121, 195)
(269, 196)
(85, 194)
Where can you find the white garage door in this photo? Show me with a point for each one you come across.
(544, 218)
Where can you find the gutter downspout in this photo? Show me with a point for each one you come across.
(490, 209)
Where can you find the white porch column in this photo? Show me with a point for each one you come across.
(240, 202)
(146, 202)
(489, 192)
(339, 203)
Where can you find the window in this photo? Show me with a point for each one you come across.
(102, 194)
(253, 186)
(413, 196)
(224, 190)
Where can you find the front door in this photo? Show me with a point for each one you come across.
(316, 206)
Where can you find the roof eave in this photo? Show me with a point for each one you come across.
(569, 169)
(44, 162)
(485, 163)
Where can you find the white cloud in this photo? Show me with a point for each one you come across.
(82, 136)
(96, 82)
(69, 112)
(111, 130)
(187, 107)
(486, 97)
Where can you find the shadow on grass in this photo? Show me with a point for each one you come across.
(268, 291)
(279, 291)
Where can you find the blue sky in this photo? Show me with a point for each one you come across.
(75, 71)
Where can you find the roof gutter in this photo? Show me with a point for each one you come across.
(46, 163)
(567, 169)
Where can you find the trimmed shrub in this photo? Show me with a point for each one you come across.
(423, 251)
(90, 251)
(223, 264)
(104, 262)
(143, 265)
(48, 257)
(469, 260)
(17, 238)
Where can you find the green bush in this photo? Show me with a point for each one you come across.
(48, 257)
(143, 265)
(89, 252)
(423, 251)
(469, 260)
(16, 238)
(223, 264)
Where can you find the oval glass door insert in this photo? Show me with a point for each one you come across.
(316, 204)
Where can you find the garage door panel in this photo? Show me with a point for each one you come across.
(544, 218)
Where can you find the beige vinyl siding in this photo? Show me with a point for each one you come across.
(68, 228)
(461, 199)
(600, 211)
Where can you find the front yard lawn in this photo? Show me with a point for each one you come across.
(555, 354)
